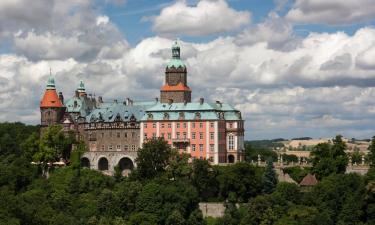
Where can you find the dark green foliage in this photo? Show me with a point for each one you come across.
(329, 158)
(269, 180)
(241, 178)
(153, 158)
(252, 152)
(296, 173)
(172, 190)
(371, 155)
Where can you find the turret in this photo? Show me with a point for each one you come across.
(51, 106)
(175, 86)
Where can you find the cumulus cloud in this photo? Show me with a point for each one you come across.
(332, 12)
(318, 85)
(207, 17)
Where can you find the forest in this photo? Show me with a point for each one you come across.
(165, 188)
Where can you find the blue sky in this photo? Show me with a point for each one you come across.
(129, 17)
(293, 67)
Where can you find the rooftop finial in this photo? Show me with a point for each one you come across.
(175, 50)
(81, 86)
(51, 81)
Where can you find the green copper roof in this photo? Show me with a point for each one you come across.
(175, 63)
(51, 83)
(81, 86)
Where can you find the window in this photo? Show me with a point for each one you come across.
(153, 125)
(193, 135)
(201, 147)
(133, 134)
(212, 136)
(102, 135)
(118, 147)
(184, 135)
(162, 135)
(169, 125)
(118, 135)
(212, 147)
(178, 125)
(110, 147)
(103, 147)
(169, 136)
(126, 147)
(133, 147)
(231, 142)
(201, 135)
(162, 125)
(184, 125)
(211, 159)
(126, 134)
(153, 135)
(177, 135)
(212, 125)
(145, 125)
(230, 125)
(200, 125)
(145, 136)
(193, 125)
(193, 148)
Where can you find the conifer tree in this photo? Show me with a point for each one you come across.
(269, 178)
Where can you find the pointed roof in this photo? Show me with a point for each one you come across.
(50, 98)
(309, 180)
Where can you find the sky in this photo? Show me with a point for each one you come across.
(293, 67)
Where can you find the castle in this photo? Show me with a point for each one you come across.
(114, 131)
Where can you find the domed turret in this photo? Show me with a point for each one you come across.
(175, 87)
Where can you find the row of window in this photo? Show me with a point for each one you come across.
(183, 135)
(118, 135)
(178, 125)
(118, 148)
(194, 147)
(211, 159)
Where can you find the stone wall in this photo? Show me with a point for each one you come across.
(212, 209)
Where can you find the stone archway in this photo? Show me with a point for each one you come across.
(126, 165)
(103, 164)
(230, 159)
(85, 162)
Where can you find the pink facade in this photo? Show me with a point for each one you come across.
(202, 139)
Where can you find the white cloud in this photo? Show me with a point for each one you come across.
(207, 17)
(102, 20)
(333, 12)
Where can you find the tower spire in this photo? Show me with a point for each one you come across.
(51, 81)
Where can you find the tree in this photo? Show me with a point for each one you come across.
(371, 155)
(204, 179)
(329, 159)
(269, 178)
(52, 146)
(153, 158)
(175, 218)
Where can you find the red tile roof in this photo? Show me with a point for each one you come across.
(50, 99)
(309, 180)
(178, 87)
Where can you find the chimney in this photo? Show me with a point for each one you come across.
(61, 97)
(156, 100)
(170, 101)
(201, 101)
